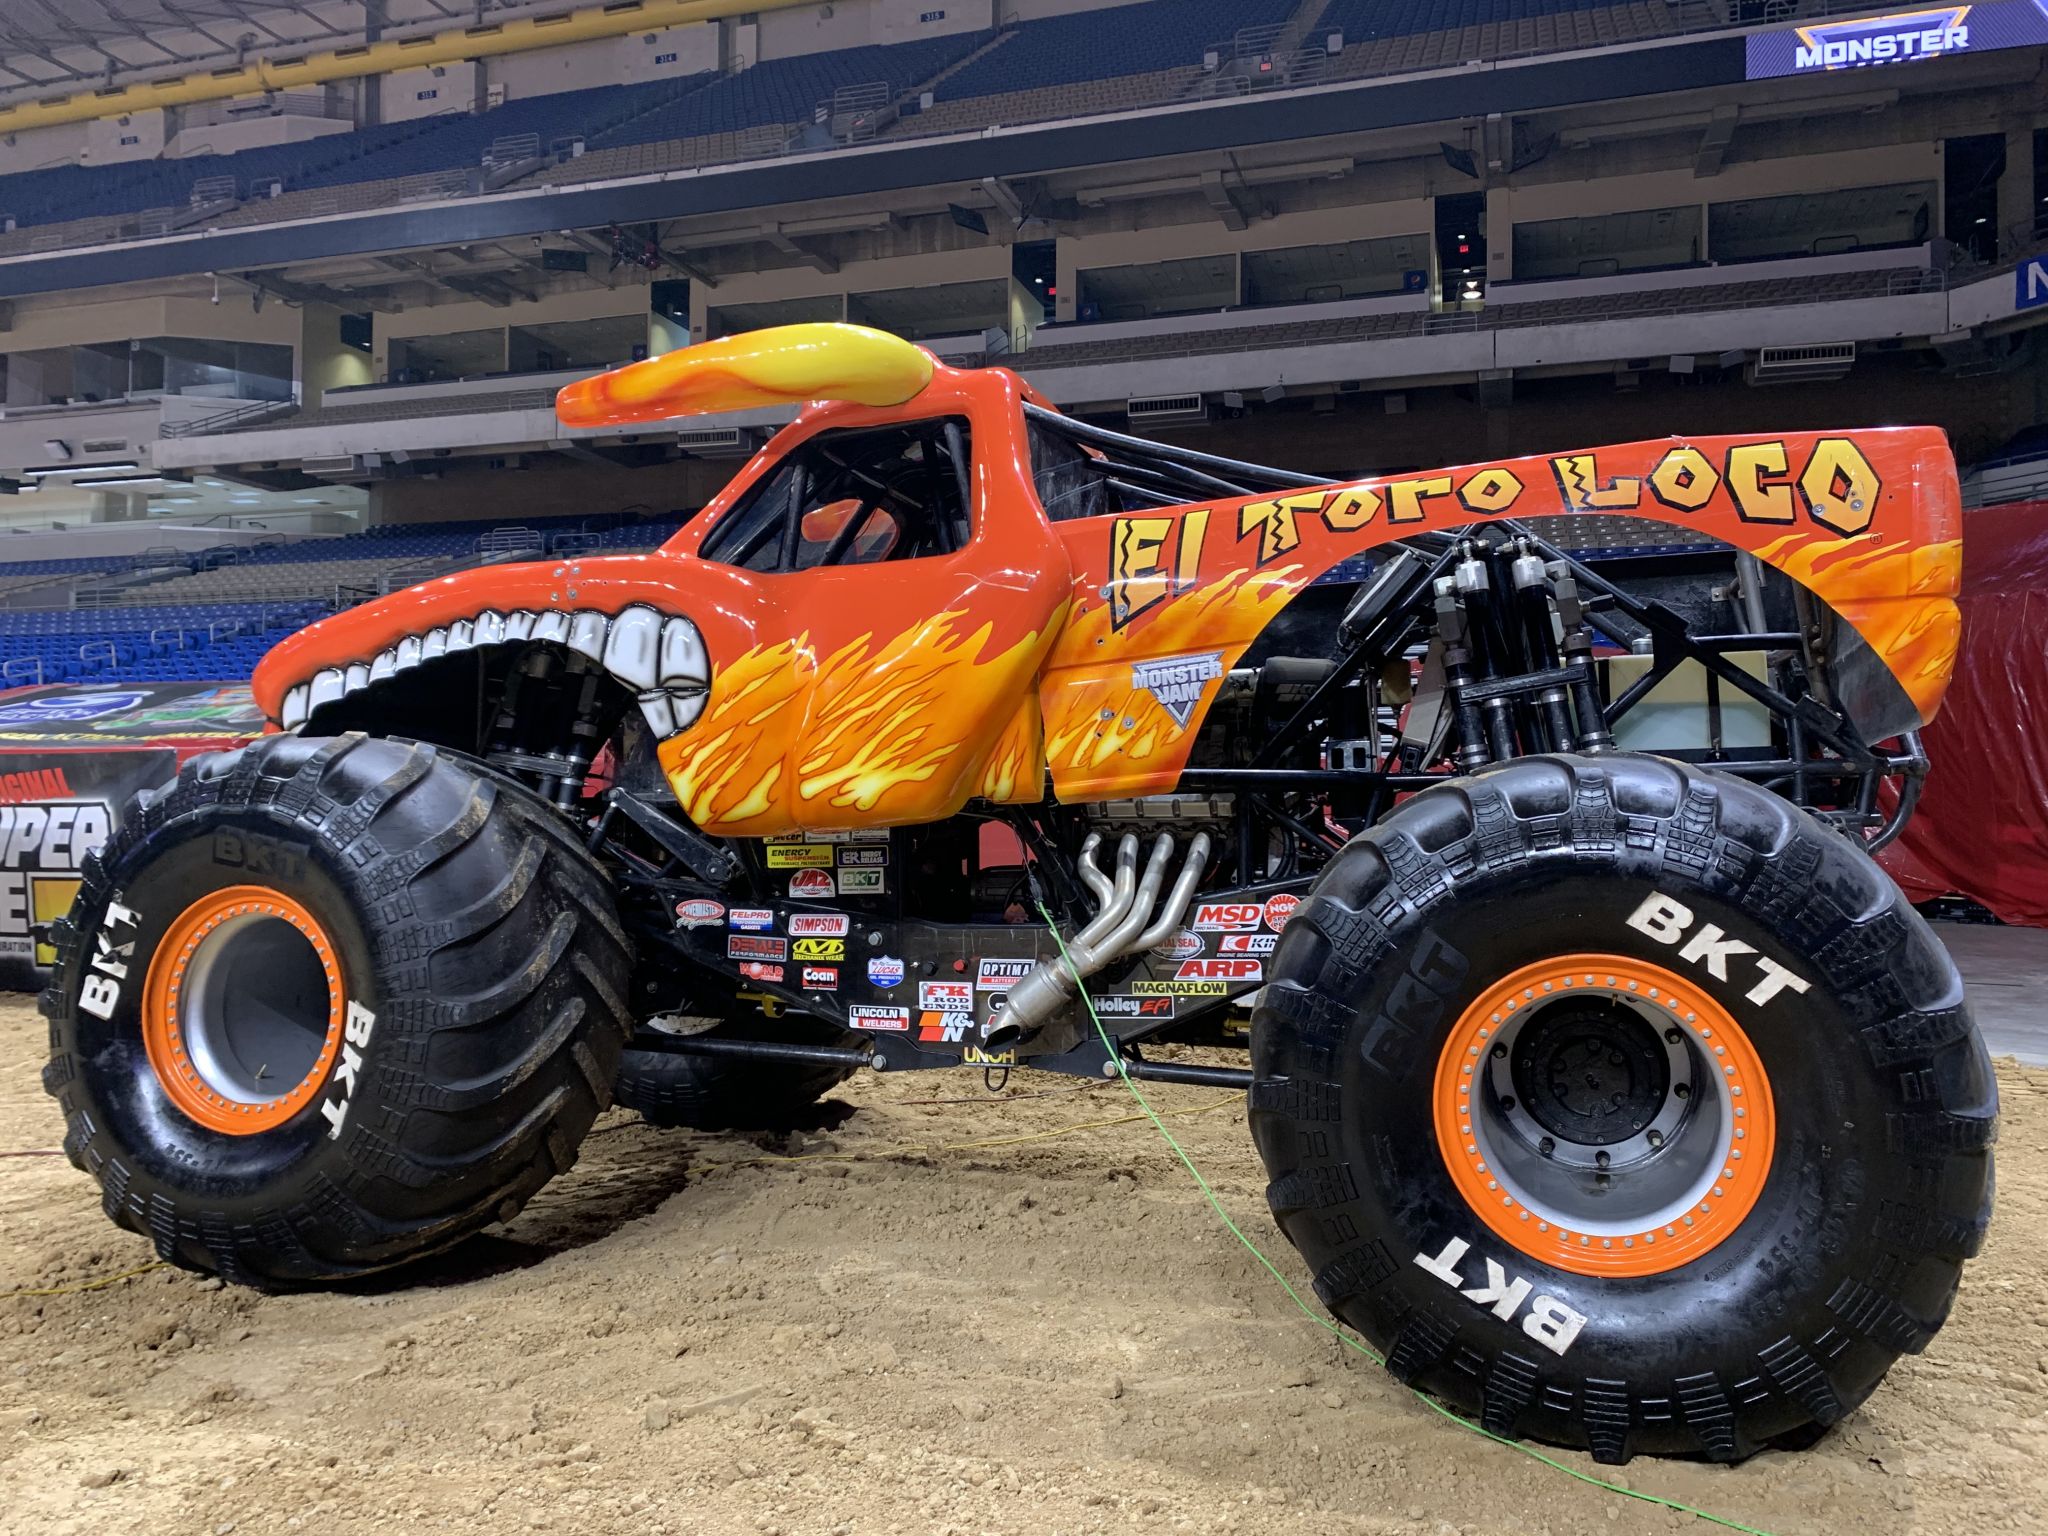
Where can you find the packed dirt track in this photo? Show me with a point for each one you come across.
(933, 1311)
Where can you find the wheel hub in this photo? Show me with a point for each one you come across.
(1593, 1077)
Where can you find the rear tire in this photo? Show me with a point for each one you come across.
(1513, 974)
(439, 924)
(724, 1093)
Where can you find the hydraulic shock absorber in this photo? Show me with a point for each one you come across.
(1540, 630)
(1454, 628)
(1577, 644)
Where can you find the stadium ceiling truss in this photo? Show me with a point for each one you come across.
(46, 44)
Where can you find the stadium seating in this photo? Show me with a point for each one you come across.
(215, 623)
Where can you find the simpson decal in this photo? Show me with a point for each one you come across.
(819, 925)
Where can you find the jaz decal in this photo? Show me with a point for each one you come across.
(355, 1039)
(946, 996)
(1549, 1321)
(101, 991)
(744, 946)
(813, 885)
(751, 919)
(821, 978)
(817, 949)
(869, 1016)
(1832, 485)
(1177, 682)
(700, 913)
(819, 925)
(755, 970)
(1001, 975)
(885, 971)
(1667, 920)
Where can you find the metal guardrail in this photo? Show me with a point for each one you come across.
(512, 148)
(228, 420)
(22, 671)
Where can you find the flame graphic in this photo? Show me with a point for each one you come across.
(1103, 733)
(901, 731)
(1899, 596)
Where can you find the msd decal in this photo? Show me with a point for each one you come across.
(868, 1016)
(1220, 968)
(1228, 916)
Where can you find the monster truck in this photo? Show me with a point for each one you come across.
(1605, 1082)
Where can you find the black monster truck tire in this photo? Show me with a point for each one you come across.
(1587, 936)
(720, 1093)
(323, 1006)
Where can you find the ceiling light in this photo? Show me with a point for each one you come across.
(39, 470)
(92, 485)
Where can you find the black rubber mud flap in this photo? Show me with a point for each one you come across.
(483, 972)
(1582, 1332)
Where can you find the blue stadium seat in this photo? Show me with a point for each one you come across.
(1096, 45)
(1365, 21)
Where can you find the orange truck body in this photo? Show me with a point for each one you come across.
(1085, 654)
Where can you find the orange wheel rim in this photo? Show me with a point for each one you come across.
(218, 1052)
(1678, 1182)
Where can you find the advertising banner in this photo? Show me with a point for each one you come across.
(1904, 37)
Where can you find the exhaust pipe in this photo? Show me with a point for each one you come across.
(1118, 930)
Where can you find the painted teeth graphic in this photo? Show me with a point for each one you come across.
(661, 659)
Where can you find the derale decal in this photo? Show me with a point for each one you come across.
(870, 1016)
(821, 978)
(746, 946)
(818, 949)
(819, 925)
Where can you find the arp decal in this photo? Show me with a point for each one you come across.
(819, 925)
(700, 913)
(1549, 1321)
(817, 949)
(355, 1040)
(744, 946)
(1666, 919)
(821, 978)
(1220, 968)
(869, 1016)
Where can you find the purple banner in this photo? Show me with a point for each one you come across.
(1907, 37)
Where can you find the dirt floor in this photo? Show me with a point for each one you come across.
(870, 1328)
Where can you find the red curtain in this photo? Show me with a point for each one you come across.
(1981, 829)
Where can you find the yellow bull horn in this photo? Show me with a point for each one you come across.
(784, 365)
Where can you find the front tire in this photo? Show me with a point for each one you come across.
(724, 1093)
(1624, 1106)
(324, 1006)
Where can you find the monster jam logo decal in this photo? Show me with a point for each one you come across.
(1177, 682)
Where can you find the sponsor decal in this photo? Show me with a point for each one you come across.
(866, 858)
(975, 1056)
(1177, 681)
(1247, 943)
(34, 784)
(818, 949)
(869, 835)
(745, 946)
(1667, 920)
(1180, 946)
(885, 971)
(355, 1039)
(862, 882)
(1124, 1006)
(101, 990)
(939, 1027)
(800, 856)
(1220, 968)
(43, 846)
(946, 996)
(1280, 908)
(821, 978)
(1549, 1321)
(812, 884)
(700, 913)
(1904, 37)
(819, 925)
(1145, 987)
(1001, 975)
(1228, 916)
(869, 1016)
(70, 708)
(754, 970)
(751, 919)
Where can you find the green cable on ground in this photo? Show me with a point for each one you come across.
(1334, 1329)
